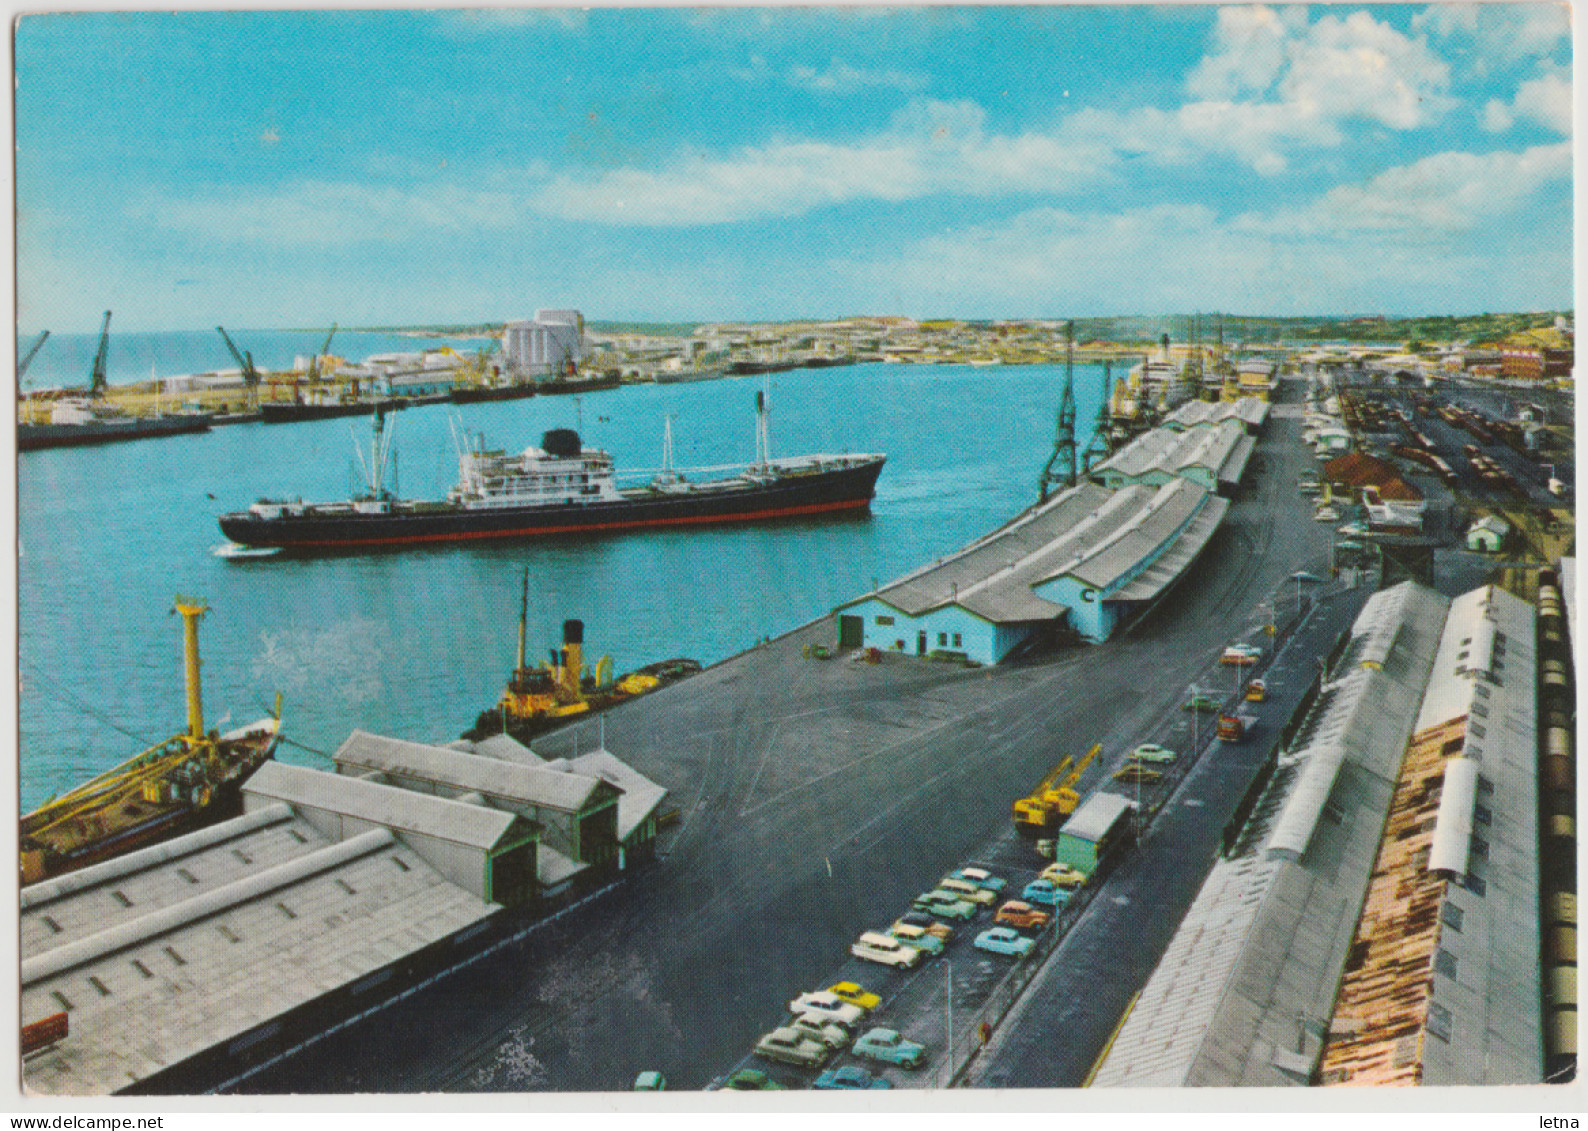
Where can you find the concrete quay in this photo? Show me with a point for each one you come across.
(816, 798)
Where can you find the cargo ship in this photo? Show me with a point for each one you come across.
(188, 781)
(543, 698)
(77, 422)
(561, 487)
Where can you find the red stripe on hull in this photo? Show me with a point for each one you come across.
(524, 532)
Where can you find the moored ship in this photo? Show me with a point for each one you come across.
(561, 487)
(78, 422)
(188, 781)
(542, 698)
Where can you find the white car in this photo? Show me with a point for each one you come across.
(1326, 514)
(827, 1007)
(874, 946)
(1152, 752)
(829, 1033)
(969, 892)
(1241, 654)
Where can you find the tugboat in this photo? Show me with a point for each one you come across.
(542, 698)
(561, 487)
(186, 782)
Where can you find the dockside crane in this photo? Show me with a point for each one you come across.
(1064, 439)
(1055, 796)
(22, 366)
(97, 379)
(246, 360)
(314, 362)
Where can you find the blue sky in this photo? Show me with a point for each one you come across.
(273, 169)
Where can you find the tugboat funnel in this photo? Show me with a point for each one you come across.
(572, 653)
(192, 610)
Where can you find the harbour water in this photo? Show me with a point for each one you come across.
(414, 643)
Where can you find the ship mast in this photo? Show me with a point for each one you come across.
(192, 609)
(523, 625)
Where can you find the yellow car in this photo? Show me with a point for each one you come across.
(855, 995)
(1063, 876)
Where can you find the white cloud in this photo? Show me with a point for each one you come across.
(1499, 32)
(1249, 51)
(840, 78)
(931, 147)
(1547, 99)
(1358, 67)
(1447, 192)
(1453, 229)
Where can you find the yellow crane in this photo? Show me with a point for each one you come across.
(1054, 797)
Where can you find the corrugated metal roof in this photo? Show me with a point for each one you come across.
(1245, 988)
(1173, 562)
(640, 796)
(183, 976)
(385, 805)
(1149, 529)
(988, 577)
(569, 792)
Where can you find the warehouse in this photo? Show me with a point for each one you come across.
(1444, 980)
(1377, 919)
(176, 963)
(1250, 411)
(1245, 989)
(1214, 458)
(1085, 559)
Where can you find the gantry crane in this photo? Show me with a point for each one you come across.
(97, 379)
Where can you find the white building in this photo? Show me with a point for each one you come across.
(542, 347)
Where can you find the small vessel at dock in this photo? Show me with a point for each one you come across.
(542, 698)
(561, 487)
(188, 781)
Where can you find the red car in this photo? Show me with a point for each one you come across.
(1022, 915)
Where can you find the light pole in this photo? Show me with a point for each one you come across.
(948, 977)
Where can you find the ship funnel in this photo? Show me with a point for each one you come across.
(192, 609)
(572, 652)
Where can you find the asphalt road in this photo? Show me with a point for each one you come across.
(817, 799)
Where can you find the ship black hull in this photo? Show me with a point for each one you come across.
(827, 492)
(32, 437)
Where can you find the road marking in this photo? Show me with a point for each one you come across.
(1193, 802)
(1120, 900)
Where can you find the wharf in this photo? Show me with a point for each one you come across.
(816, 799)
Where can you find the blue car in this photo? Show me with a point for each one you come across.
(849, 1078)
(1004, 940)
(1045, 891)
(889, 1046)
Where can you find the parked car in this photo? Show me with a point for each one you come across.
(827, 1006)
(829, 1033)
(751, 1080)
(650, 1082)
(792, 1047)
(969, 892)
(855, 994)
(1355, 530)
(1152, 752)
(928, 924)
(981, 878)
(874, 946)
(1303, 576)
(1326, 514)
(1063, 876)
(1202, 703)
(1256, 691)
(1133, 773)
(946, 904)
(1004, 940)
(1239, 655)
(1022, 915)
(920, 938)
(889, 1046)
(851, 1077)
(1045, 892)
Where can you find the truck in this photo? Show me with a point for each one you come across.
(1233, 728)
